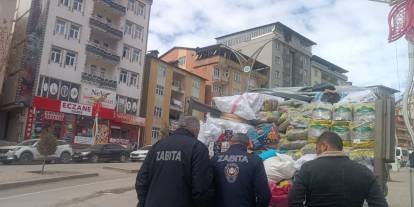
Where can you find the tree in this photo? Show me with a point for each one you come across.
(46, 146)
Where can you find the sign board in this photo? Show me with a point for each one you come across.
(124, 142)
(129, 119)
(75, 108)
(89, 93)
(56, 116)
(83, 140)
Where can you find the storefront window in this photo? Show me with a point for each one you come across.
(84, 126)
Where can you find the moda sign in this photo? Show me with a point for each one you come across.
(75, 108)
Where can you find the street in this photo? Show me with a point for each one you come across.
(116, 188)
(110, 188)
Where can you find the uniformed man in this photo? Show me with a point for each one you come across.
(176, 171)
(240, 177)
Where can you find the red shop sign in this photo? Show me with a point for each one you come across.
(29, 123)
(129, 119)
(56, 116)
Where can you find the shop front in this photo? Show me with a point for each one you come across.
(126, 129)
(72, 122)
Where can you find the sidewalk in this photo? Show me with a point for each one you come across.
(399, 189)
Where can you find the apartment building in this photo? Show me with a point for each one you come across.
(68, 53)
(287, 52)
(168, 86)
(323, 71)
(221, 67)
(401, 132)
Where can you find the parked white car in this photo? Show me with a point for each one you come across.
(26, 152)
(140, 154)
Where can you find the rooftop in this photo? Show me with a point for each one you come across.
(174, 48)
(329, 64)
(223, 51)
(175, 66)
(277, 24)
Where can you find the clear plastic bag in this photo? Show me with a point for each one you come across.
(316, 129)
(364, 157)
(364, 112)
(322, 111)
(344, 131)
(294, 134)
(342, 112)
(292, 145)
(363, 135)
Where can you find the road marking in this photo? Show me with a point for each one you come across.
(62, 188)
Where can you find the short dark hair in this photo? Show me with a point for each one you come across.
(332, 139)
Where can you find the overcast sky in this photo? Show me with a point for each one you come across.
(349, 33)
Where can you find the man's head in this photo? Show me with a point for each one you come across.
(328, 141)
(190, 123)
(240, 138)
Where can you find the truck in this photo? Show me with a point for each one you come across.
(384, 149)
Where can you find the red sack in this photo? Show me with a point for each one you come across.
(279, 195)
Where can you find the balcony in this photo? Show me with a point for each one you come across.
(98, 81)
(221, 80)
(106, 27)
(176, 87)
(113, 5)
(105, 53)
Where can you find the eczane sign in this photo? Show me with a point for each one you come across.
(75, 108)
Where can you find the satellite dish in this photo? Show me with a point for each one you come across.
(247, 69)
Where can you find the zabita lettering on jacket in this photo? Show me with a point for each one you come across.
(169, 156)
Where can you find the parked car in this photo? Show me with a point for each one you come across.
(102, 152)
(401, 155)
(140, 154)
(26, 152)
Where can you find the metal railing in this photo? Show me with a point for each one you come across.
(106, 26)
(99, 81)
(114, 5)
(106, 53)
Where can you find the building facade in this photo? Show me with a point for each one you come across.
(222, 69)
(323, 71)
(73, 52)
(167, 88)
(287, 52)
(402, 136)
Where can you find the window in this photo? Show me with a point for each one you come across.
(276, 74)
(128, 28)
(123, 77)
(218, 89)
(277, 45)
(65, 2)
(74, 31)
(126, 53)
(77, 5)
(103, 71)
(137, 32)
(226, 73)
(140, 9)
(56, 55)
(196, 88)
(162, 71)
(135, 55)
(133, 81)
(93, 69)
(159, 90)
(237, 76)
(60, 27)
(181, 60)
(277, 60)
(216, 74)
(70, 59)
(155, 133)
(157, 112)
(120, 104)
(131, 5)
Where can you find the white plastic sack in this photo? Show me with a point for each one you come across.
(245, 106)
(303, 160)
(209, 132)
(216, 123)
(363, 96)
(279, 168)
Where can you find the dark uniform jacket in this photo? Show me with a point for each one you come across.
(240, 179)
(337, 181)
(176, 172)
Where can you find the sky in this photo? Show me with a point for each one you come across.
(349, 33)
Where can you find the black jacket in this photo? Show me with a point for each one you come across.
(176, 172)
(335, 181)
(240, 179)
